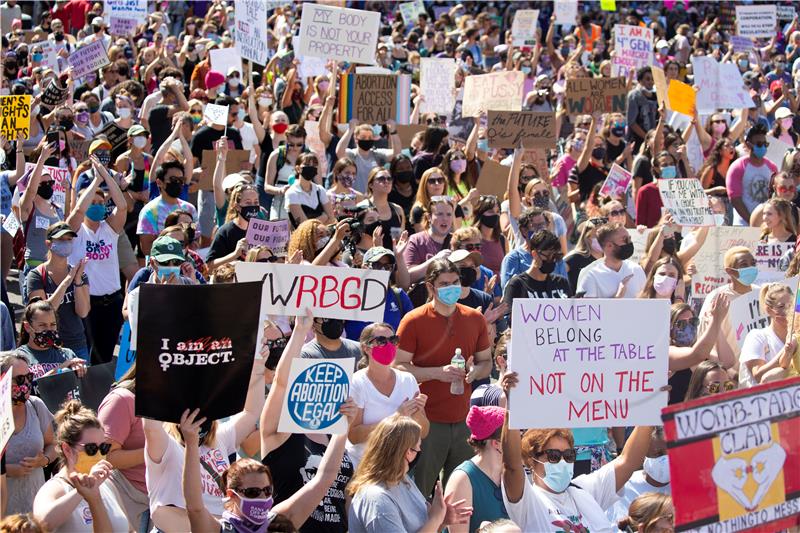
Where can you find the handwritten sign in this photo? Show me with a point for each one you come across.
(529, 129)
(633, 49)
(742, 448)
(566, 11)
(6, 414)
(523, 29)
(310, 66)
(216, 114)
(500, 91)
(720, 86)
(121, 26)
(437, 83)
(251, 30)
(88, 58)
(786, 12)
(11, 224)
(745, 313)
(741, 44)
(585, 96)
(756, 21)
(129, 9)
(272, 234)
(54, 94)
(410, 11)
(772, 260)
(708, 260)
(60, 177)
(339, 33)
(375, 98)
(616, 182)
(592, 369)
(15, 116)
(329, 292)
(686, 201)
(316, 390)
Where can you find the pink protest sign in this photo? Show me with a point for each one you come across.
(273, 234)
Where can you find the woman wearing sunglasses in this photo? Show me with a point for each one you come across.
(79, 489)
(379, 390)
(551, 497)
(765, 355)
(31, 446)
(781, 186)
(262, 254)
(432, 185)
(709, 378)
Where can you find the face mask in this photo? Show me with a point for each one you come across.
(657, 468)
(540, 200)
(59, 35)
(45, 190)
(37, 57)
(404, 177)
(558, 475)
(20, 393)
(786, 123)
(82, 117)
(743, 63)
(483, 145)
(48, 338)
(139, 141)
(747, 275)
(468, 276)
(62, 248)
(280, 128)
(308, 173)
(249, 211)
(669, 172)
(449, 295)
(619, 131)
(332, 329)
(104, 157)
(265, 102)
(94, 108)
(719, 128)
(370, 228)
(322, 243)
(233, 82)
(547, 267)
(124, 112)
(196, 119)
(779, 65)
(384, 354)
(684, 336)
(668, 246)
(458, 165)
(96, 28)
(255, 510)
(599, 153)
(624, 252)
(759, 151)
(165, 271)
(173, 189)
(365, 144)
(347, 181)
(241, 114)
(526, 70)
(664, 285)
(96, 212)
(490, 221)
(595, 245)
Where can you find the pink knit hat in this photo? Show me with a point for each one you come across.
(214, 79)
(484, 421)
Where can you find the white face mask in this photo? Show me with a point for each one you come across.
(139, 141)
(657, 468)
(265, 102)
(124, 112)
(233, 82)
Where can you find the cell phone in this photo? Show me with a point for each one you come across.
(52, 138)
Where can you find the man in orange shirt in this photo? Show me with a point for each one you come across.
(429, 336)
(588, 33)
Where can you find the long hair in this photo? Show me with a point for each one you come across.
(784, 209)
(384, 461)
(695, 388)
(646, 510)
(366, 335)
(648, 291)
(21, 523)
(444, 166)
(715, 157)
(37, 306)
(236, 197)
(584, 246)
(423, 198)
(305, 238)
(127, 380)
(485, 203)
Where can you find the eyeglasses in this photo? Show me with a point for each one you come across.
(598, 221)
(554, 456)
(270, 259)
(381, 266)
(382, 341)
(171, 262)
(294, 145)
(23, 379)
(383, 179)
(487, 198)
(715, 386)
(616, 213)
(255, 492)
(436, 181)
(694, 321)
(552, 256)
(471, 247)
(92, 448)
(541, 194)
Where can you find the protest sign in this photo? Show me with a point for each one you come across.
(90, 389)
(315, 391)
(79, 148)
(616, 182)
(269, 233)
(686, 201)
(523, 29)
(741, 44)
(592, 369)
(366, 97)
(60, 177)
(720, 86)
(216, 114)
(127, 351)
(121, 26)
(708, 260)
(746, 314)
(528, 129)
(742, 448)
(660, 84)
(681, 97)
(204, 362)
(585, 96)
(608, 5)
(786, 12)
(756, 21)
(224, 59)
(235, 161)
(777, 150)
(329, 292)
(310, 66)
(493, 179)
(639, 240)
(411, 11)
(114, 134)
(88, 58)
(437, 84)
(772, 260)
(128, 9)
(500, 91)
(50, 57)
(33, 36)
(251, 30)
(633, 49)
(339, 33)
(566, 12)
(54, 94)
(15, 114)
(406, 133)
(6, 414)
(11, 224)
(315, 144)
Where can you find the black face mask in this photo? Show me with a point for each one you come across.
(45, 190)
(468, 276)
(599, 153)
(668, 246)
(624, 252)
(59, 36)
(332, 328)
(308, 173)
(96, 28)
(370, 228)
(49, 338)
(249, 211)
(173, 188)
(490, 221)
(104, 157)
(67, 124)
(403, 177)
(541, 200)
(365, 144)
(547, 267)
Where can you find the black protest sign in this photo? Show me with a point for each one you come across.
(195, 348)
(54, 94)
(90, 389)
(114, 134)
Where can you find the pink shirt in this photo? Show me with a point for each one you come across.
(562, 169)
(749, 181)
(116, 413)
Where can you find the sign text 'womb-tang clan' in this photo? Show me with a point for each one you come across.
(587, 363)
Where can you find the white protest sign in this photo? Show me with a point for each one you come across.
(339, 33)
(639, 240)
(566, 11)
(686, 201)
(50, 55)
(126, 9)
(720, 86)
(329, 292)
(223, 59)
(251, 30)
(315, 391)
(88, 58)
(120, 26)
(616, 182)
(315, 144)
(756, 21)
(777, 150)
(11, 224)
(786, 12)
(745, 313)
(708, 260)
(59, 176)
(741, 44)
(310, 66)
(523, 29)
(216, 114)
(771, 260)
(6, 414)
(499, 91)
(410, 11)
(596, 363)
(633, 49)
(272, 234)
(437, 84)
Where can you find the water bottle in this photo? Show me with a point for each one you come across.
(457, 387)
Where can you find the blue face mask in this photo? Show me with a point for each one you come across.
(669, 173)
(483, 145)
(96, 212)
(759, 151)
(165, 271)
(449, 295)
(558, 475)
(747, 275)
(525, 70)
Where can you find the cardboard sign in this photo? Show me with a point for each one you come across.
(204, 362)
(88, 58)
(437, 84)
(756, 21)
(566, 11)
(216, 114)
(251, 30)
(592, 368)
(15, 116)
(493, 179)
(374, 98)
(686, 201)
(633, 49)
(6, 414)
(616, 182)
(585, 96)
(339, 33)
(529, 129)
(59, 176)
(410, 11)
(720, 86)
(660, 84)
(55, 95)
(708, 260)
(406, 132)
(523, 29)
(744, 472)
(681, 97)
(223, 59)
(639, 240)
(235, 161)
(55, 389)
(329, 292)
(316, 390)
(499, 91)
(272, 234)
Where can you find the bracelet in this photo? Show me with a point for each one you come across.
(79, 284)
(48, 460)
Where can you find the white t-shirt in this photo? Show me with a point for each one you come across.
(297, 196)
(80, 520)
(249, 139)
(376, 406)
(164, 478)
(599, 281)
(542, 511)
(758, 344)
(100, 250)
(635, 487)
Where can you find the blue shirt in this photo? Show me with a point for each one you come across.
(518, 261)
(7, 340)
(5, 193)
(392, 313)
(480, 283)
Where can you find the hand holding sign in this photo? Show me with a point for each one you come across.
(190, 426)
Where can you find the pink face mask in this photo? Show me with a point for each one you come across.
(786, 123)
(719, 127)
(384, 354)
(323, 85)
(664, 285)
(458, 165)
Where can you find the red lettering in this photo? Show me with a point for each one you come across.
(326, 289)
(354, 295)
(309, 290)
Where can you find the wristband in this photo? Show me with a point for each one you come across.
(79, 284)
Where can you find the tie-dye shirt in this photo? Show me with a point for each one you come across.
(155, 212)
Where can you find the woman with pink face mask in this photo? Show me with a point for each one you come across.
(321, 85)
(717, 128)
(379, 390)
(783, 127)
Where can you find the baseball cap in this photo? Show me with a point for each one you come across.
(137, 129)
(376, 252)
(783, 112)
(99, 144)
(58, 230)
(459, 255)
(98, 21)
(166, 249)
(232, 180)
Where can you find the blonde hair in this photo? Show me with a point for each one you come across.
(784, 209)
(21, 523)
(730, 256)
(252, 253)
(646, 510)
(769, 294)
(304, 238)
(464, 233)
(71, 420)
(385, 461)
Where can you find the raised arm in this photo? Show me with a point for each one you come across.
(120, 213)
(221, 146)
(26, 203)
(683, 357)
(252, 111)
(632, 456)
(75, 218)
(511, 441)
(344, 141)
(245, 422)
(514, 200)
(199, 517)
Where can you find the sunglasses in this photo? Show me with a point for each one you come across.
(441, 199)
(554, 456)
(436, 181)
(383, 179)
(553, 256)
(270, 259)
(782, 189)
(381, 266)
(382, 341)
(471, 247)
(715, 386)
(541, 194)
(255, 492)
(616, 213)
(294, 145)
(24, 379)
(694, 321)
(598, 221)
(92, 448)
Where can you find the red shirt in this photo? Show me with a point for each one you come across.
(76, 10)
(648, 205)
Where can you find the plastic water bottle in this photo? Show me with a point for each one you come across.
(457, 387)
